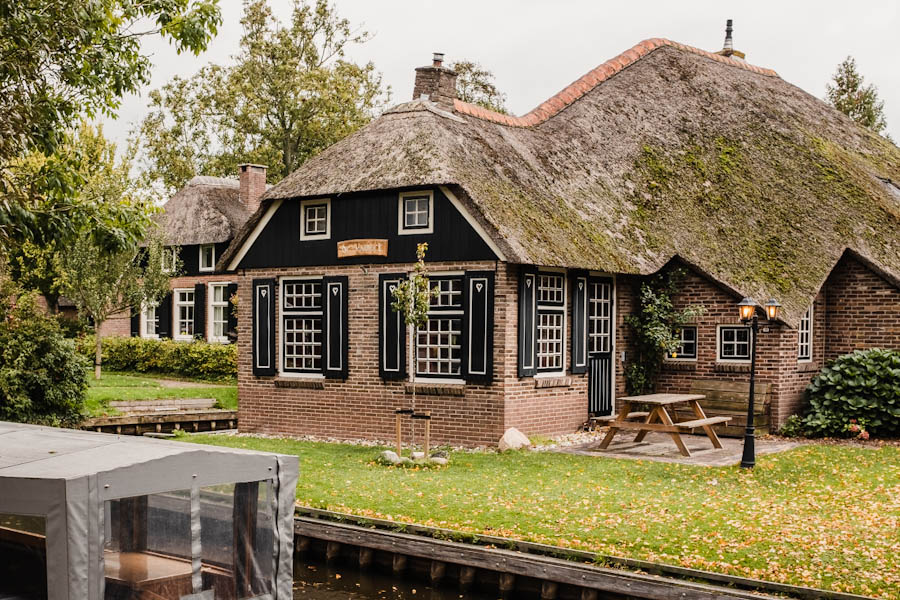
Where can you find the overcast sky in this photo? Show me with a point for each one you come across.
(535, 48)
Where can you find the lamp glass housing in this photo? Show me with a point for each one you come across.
(747, 308)
(772, 307)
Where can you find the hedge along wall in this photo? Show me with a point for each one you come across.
(188, 359)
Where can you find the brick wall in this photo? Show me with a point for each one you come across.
(863, 309)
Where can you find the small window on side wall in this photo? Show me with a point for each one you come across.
(207, 257)
(416, 212)
(687, 347)
(734, 343)
(804, 337)
(315, 219)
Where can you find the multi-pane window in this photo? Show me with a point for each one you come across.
(804, 336)
(438, 342)
(599, 316)
(551, 302)
(207, 257)
(184, 314)
(415, 212)
(734, 343)
(169, 255)
(219, 306)
(315, 220)
(687, 344)
(149, 322)
(302, 317)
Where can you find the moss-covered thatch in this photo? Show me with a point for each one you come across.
(205, 211)
(756, 182)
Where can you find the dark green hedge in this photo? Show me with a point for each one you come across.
(166, 357)
(854, 393)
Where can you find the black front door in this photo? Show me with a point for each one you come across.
(600, 341)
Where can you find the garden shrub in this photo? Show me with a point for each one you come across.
(166, 357)
(858, 393)
(43, 379)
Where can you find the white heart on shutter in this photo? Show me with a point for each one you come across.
(527, 283)
(334, 291)
(580, 285)
(478, 286)
(262, 292)
(393, 287)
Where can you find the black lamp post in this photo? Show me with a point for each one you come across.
(747, 308)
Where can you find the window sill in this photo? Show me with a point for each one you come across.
(732, 367)
(552, 382)
(680, 365)
(436, 389)
(305, 383)
(807, 367)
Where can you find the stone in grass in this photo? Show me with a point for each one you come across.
(389, 457)
(418, 455)
(439, 460)
(440, 454)
(513, 439)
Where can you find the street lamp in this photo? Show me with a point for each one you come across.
(747, 309)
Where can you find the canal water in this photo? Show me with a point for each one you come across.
(317, 581)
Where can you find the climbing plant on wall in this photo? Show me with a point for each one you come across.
(657, 329)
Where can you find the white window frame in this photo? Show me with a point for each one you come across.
(315, 236)
(168, 258)
(211, 305)
(741, 361)
(200, 266)
(558, 308)
(679, 357)
(142, 329)
(402, 229)
(282, 313)
(807, 319)
(176, 305)
(442, 312)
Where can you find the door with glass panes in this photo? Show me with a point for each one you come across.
(600, 343)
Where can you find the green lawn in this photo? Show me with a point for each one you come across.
(821, 516)
(129, 386)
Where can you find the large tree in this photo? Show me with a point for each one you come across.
(475, 84)
(289, 94)
(851, 96)
(61, 60)
(102, 279)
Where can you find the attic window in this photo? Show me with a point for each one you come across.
(416, 212)
(207, 257)
(316, 219)
(169, 256)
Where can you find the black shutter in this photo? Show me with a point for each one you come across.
(527, 324)
(200, 311)
(231, 327)
(334, 327)
(391, 330)
(579, 323)
(136, 323)
(478, 326)
(263, 315)
(164, 313)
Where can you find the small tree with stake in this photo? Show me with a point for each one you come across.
(412, 298)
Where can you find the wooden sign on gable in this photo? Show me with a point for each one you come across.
(363, 247)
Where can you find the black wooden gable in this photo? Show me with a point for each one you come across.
(371, 215)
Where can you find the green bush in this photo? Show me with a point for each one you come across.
(166, 357)
(856, 393)
(42, 377)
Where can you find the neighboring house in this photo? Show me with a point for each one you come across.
(199, 222)
(541, 230)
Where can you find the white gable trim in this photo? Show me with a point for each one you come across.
(245, 247)
(471, 220)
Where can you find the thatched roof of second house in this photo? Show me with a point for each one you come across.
(207, 210)
(664, 151)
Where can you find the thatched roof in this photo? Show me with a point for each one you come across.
(205, 211)
(663, 151)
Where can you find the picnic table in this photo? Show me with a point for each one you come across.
(658, 419)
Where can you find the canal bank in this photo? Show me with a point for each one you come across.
(477, 567)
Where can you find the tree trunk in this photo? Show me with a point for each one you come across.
(98, 351)
(411, 331)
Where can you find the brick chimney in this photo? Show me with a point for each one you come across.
(728, 46)
(437, 82)
(253, 185)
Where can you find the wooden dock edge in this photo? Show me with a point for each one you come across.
(574, 567)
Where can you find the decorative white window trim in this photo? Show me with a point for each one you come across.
(145, 317)
(305, 235)
(300, 312)
(212, 265)
(556, 307)
(720, 358)
(447, 306)
(211, 305)
(679, 356)
(805, 337)
(402, 229)
(176, 313)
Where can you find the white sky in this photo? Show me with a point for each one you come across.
(535, 48)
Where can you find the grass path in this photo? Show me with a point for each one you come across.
(128, 386)
(821, 516)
